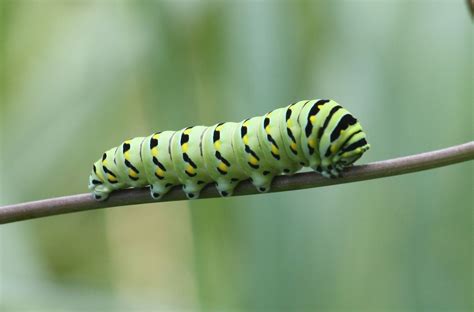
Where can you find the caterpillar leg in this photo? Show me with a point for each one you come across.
(261, 182)
(225, 187)
(158, 190)
(192, 190)
(330, 171)
(327, 169)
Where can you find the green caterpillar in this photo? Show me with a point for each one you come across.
(319, 134)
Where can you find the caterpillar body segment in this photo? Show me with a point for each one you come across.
(274, 149)
(312, 118)
(291, 131)
(129, 163)
(188, 160)
(220, 158)
(158, 164)
(250, 156)
(319, 134)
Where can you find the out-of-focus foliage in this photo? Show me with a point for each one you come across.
(78, 77)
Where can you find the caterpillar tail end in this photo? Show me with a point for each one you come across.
(98, 191)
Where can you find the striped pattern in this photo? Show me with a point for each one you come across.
(319, 134)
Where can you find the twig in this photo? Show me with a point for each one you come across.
(380, 169)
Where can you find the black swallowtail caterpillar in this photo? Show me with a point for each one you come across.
(319, 134)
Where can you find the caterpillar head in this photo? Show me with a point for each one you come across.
(353, 150)
(348, 143)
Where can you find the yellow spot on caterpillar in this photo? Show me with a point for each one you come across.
(267, 129)
(190, 169)
(320, 106)
(253, 160)
(185, 147)
(154, 152)
(219, 128)
(223, 167)
(245, 124)
(159, 172)
(275, 150)
(132, 173)
(293, 146)
(289, 123)
(100, 175)
(312, 143)
(187, 131)
(127, 155)
(111, 177)
(312, 119)
(246, 139)
(217, 144)
(156, 136)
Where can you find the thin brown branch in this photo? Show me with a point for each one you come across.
(386, 168)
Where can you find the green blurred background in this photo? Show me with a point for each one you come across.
(78, 77)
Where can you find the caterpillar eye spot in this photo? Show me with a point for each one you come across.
(304, 134)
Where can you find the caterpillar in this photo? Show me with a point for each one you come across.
(319, 134)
